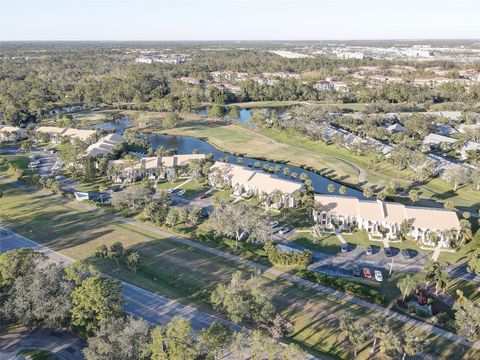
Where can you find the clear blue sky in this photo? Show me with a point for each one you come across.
(237, 19)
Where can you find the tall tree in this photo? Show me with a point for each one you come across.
(97, 298)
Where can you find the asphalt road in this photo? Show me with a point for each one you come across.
(154, 308)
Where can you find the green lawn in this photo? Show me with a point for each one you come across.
(38, 354)
(176, 271)
(337, 163)
(329, 243)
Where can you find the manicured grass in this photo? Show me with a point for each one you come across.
(38, 354)
(337, 163)
(176, 271)
(329, 243)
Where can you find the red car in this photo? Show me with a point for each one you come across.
(367, 274)
(203, 196)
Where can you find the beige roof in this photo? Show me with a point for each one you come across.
(269, 184)
(382, 211)
(437, 139)
(50, 130)
(258, 180)
(104, 145)
(78, 133)
(11, 129)
(180, 160)
(429, 218)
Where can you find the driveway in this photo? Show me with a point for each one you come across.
(64, 344)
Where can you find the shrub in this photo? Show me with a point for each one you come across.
(344, 285)
(287, 258)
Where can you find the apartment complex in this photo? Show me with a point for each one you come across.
(383, 219)
(11, 133)
(245, 182)
(105, 145)
(149, 167)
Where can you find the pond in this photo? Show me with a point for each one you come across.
(187, 144)
(119, 125)
(246, 114)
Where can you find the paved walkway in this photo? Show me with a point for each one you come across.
(340, 237)
(154, 308)
(337, 295)
(64, 344)
(436, 253)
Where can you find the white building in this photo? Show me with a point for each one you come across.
(11, 133)
(105, 145)
(380, 218)
(149, 167)
(245, 182)
(469, 146)
(435, 141)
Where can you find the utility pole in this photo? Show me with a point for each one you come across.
(391, 268)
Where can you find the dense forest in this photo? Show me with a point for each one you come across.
(36, 78)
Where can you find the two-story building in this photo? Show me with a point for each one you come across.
(150, 167)
(11, 133)
(245, 182)
(384, 219)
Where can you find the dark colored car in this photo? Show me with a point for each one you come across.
(369, 250)
(344, 248)
(406, 254)
(367, 274)
(388, 252)
(355, 271)
(203, 196)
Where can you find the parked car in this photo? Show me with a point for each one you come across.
(181, 192)
(388, 252)
(284, 230)
(406, 254)
(355, 271)
(171, 191)
(273, 223)
(378, 275)
(59, 177)
(367, 274)
(344, 247)
(369, 250)
(202, 196)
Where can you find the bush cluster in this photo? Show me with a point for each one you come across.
(343, 285)
(287, 258)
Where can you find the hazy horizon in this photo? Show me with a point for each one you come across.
(238, 20)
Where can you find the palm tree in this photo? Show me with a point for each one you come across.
(411, 346)
(342, 190)
(331, 188)
(277, 198)
(406, 286)
(286, 171)
(441, 279)
(346, 322)
(390, 345)
(358, 336)
(378, 328)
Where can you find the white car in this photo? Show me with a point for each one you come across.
(181, 192)
(378, 275)
(171, 191)
(273, 223)
(284, 230)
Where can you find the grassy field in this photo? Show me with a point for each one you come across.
(339, 163)
(167, 267)
(38, 354)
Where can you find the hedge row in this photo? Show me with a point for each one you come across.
(344, 285)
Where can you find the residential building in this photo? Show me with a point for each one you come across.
(11, 133)
(469, 146)
(444, 130)
(104, 146)
(150, 167)
(245, 182)
(53, 133)
(80, 134)
(434, 141)
(396, 128)
(427, 226)
(467, 128)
